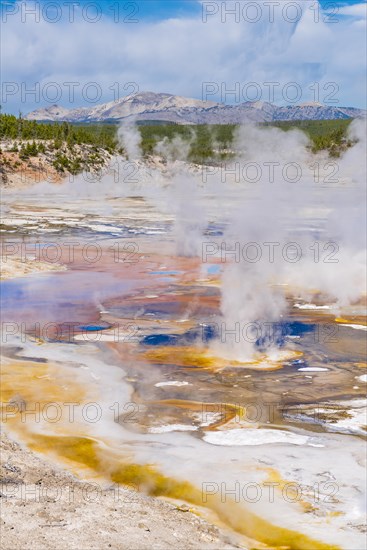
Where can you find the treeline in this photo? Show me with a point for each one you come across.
(205, 143)
(325, 135)
(214, 142)
(59, 142)
(17, 128)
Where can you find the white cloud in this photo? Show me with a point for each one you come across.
(355, 10)
(178, 55)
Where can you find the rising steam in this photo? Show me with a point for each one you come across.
(292, 223)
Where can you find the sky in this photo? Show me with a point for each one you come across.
(83, 53)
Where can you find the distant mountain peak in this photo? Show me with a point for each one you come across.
(147, 105)
(311, 104)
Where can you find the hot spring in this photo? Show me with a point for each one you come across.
(204, 340)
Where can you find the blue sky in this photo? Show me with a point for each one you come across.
(176, 8)
(159, 9)
(163, 9)
(147, 9)
(169, 46)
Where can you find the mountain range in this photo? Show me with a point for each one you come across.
(148, 106)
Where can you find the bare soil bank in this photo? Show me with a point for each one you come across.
(45, 507)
